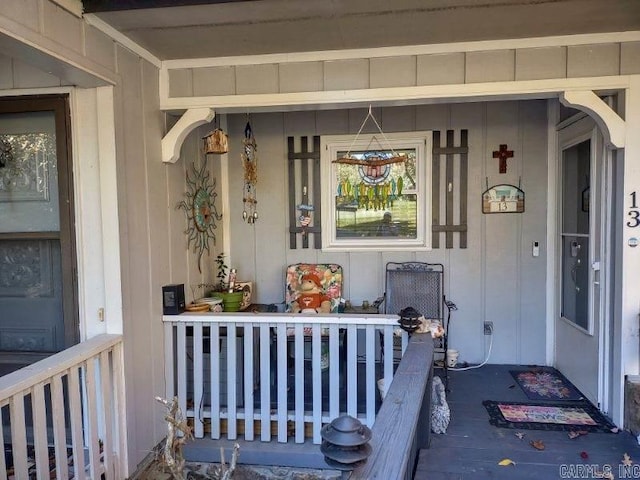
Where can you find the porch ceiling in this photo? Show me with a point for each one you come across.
(222, 28)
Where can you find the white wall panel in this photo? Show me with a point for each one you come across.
(28, 76)
(99, 47)
(62, 26)
(490, 66)
(532, 269)
(6, 72)
(346, 74)
(630, 58)
(24, 12)
(214, 81)
(181, 82)
(392, 71)
(440, 69)
(301, 77)
(593, 60)
(539, 63)
(463, 277)
(158, 227)
(256, 79)
(501, 244)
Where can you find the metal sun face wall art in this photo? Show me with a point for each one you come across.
(199, 207)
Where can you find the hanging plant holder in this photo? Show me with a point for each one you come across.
(379, 183)
(216, 142)
(372, 163)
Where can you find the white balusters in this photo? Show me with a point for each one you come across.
(82, 385)
(249, 385)
(280, 381)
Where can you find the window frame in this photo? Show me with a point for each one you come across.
(330, 145)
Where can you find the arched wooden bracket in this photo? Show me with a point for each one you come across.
(191, 119)
(612, 126)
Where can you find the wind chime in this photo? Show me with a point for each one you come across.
(250, 165)
(377, 189)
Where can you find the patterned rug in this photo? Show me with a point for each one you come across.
(547, 416)
(545, 383)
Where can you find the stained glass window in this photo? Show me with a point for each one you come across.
(377, 192)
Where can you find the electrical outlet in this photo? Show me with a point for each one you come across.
(488, 328)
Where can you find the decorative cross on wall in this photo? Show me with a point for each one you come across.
(503, 154)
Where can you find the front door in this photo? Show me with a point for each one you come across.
(38, 307)
(581, 252)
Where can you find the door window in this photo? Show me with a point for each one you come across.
(576, 161)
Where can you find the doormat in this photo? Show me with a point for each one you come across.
(547, 416)
(545, 383)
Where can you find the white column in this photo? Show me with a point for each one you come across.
(626, 340)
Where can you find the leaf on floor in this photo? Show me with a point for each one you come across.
(584, 455)
(615, 430)
(520, 435)
(626, 460)
(537, 444)
(512, 386)
(506, 462)
(576, 433)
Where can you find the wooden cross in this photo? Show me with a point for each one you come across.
(503, 154)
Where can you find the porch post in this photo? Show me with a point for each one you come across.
(627, 279)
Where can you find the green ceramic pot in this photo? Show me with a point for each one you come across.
(230, 301)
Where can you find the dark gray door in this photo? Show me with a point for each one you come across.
(38, 307)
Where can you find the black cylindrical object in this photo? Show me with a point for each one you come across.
(345, 443)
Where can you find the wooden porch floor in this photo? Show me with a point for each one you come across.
(472, 448)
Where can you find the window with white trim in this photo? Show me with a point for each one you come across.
(374, 194)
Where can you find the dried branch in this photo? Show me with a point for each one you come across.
(176, 425)
(222, 472)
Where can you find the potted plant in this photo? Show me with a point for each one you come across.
(226, 286)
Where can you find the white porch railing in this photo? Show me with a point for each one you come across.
(277, 375)
(66, 413)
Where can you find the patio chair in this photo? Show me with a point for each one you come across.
(421, 286)
(330, 277)
(329, 274)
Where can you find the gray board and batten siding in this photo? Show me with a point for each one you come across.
(151, 251)
(494, 278)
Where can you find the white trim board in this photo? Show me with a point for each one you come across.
(546, 88)
(378, 52)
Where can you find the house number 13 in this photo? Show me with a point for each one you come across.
(633, 212)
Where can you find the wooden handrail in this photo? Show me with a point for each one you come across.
(285, 318)
(403, 423)
(25, 378)
(88, 416)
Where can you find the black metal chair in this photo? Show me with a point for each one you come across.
(419, 285)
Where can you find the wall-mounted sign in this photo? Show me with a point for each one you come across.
(503, 199)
